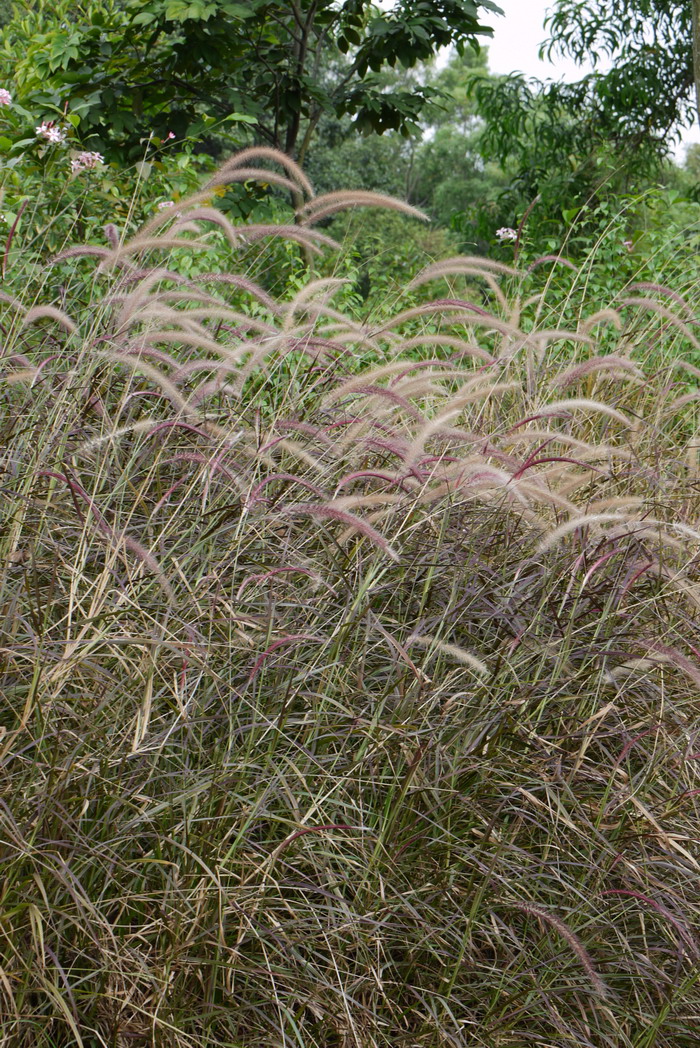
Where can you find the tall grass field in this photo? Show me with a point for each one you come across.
(349, 667)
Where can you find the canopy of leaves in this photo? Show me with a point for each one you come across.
(632, 108)
(648, 90)
(130, 68)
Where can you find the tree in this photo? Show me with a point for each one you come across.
(572, 146)
(439, 168)
(128, 67)
(632, 109)
(691, 165)
(449, 173)
(651, 84)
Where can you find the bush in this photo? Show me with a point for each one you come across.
(380, 254)
(625, 239)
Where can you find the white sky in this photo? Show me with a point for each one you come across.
(516, 41)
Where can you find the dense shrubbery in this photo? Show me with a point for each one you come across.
(349, 665)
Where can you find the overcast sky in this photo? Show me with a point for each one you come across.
(516, 41)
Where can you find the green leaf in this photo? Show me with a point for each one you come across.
(234, 10)
(176, 11)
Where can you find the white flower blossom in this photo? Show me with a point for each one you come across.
(165, 203)
(506, 233)
(51, 133)
(5, 97)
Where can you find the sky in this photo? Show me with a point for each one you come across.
(516, 41)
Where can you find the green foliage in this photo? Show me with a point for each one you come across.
(45, 209)
(551, 142)
(450, 177)
(574, 147)
(686, 178)
(448, 173)
(380, 253)
(130, 68)
(648, 90)
(439, 169)
(121, 83)
(650, 239)
(339, 157)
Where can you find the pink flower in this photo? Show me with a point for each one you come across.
(86, 161)
(165, 203)
(91, 159)
(51, 133)
(5, 97)
(170, 134)
(506, 233)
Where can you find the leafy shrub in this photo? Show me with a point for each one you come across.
(646, 239)
(380, 254)
(54, 192)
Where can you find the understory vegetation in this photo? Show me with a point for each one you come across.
(350, 656)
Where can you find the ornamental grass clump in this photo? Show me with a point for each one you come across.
(349, 673)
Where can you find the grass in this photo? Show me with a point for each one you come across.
(350, 681)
